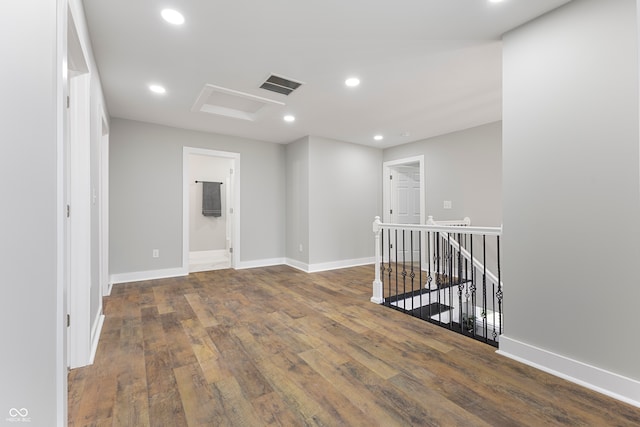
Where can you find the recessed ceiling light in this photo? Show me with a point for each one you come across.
(378, 137)
(289, 118)
(172, 16)
(495, 1)
(157, 89)
(352, 81)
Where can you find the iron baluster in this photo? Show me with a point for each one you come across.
(484, 288)
(499, 293)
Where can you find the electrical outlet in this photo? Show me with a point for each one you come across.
(156, 253)
(447, 204)
(300, 248)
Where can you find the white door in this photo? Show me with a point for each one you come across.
(405, 208)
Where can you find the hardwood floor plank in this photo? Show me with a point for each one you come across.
(201, 406)
(367, 402)
(177, 341)
(240, 364)
(273, 411)
(236, 406)
(279, 347)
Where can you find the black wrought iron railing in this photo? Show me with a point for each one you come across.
(447, 274)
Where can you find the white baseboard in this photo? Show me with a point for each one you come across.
(334, 265)
(138, 276)
(95, 335)
(260, 263)
(326, 266)
(302, 266)
(591, 377)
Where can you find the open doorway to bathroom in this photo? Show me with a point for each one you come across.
(209, 239)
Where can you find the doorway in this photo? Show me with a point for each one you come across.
(404, 201)
(210, 242)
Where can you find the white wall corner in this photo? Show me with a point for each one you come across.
(96, 331)
(260, 263)
(594, 378)
(297, 264)
(335, 265)
(138, 276)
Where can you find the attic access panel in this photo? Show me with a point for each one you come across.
(231, 103)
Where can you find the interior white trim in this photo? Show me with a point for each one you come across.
(326, 266)
(235, 178)
(335, 265)
(267, 262)
(105, 286)
(96, 331)
(80, 219)
(62, 273)
(591, 377)
(302, 266)
(138, 276)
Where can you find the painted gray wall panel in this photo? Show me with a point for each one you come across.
(28, 260)
(345, 195)
(146, 194)
(571, 176)
(297, 160)
(464, 167)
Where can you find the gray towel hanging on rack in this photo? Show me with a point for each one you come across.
(211, 204)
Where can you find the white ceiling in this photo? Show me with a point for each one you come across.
(427, 67)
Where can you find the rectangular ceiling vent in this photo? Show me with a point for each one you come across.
(280, 84)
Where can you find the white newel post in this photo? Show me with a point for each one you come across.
(377, 282)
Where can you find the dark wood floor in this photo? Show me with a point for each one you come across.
(278, 347)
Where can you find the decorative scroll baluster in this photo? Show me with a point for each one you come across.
(412, 273)
(404, 270)
(429, 274)
(420, 271)
(395, 247)
(390, 268)
(484, 286)
(499, 293)
(460, 285)
(472, 312)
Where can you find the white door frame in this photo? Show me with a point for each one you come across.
(62, 222)
(387, 203)
(234, 207)
(80, 222)
(79, 200)
(105, 286)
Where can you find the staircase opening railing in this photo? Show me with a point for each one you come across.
(447, 273)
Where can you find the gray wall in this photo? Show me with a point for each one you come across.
(571, 184)
(146, 194)
(297, 161)
(207, 233)
(29, 321)
(344, 197)
(464, 167)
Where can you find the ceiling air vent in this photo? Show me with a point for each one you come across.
(280, 85)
